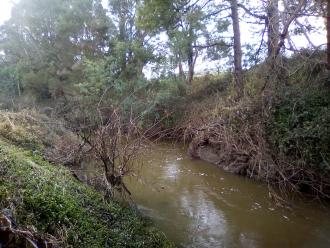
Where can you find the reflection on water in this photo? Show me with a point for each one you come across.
(198, 205)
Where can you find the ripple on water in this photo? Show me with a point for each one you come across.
(198, 205)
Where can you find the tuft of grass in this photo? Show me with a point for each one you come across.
(48, 199)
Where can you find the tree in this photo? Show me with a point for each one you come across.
(238, 73)
(328, 35)
(129, 49)
(278, 23)
(292, 12)
(185, 23)
(10, 84)
(48, 39)
(273, 26)
(112, 141)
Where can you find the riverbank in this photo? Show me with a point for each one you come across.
(198, 205)
(43, 204)
(278, 132)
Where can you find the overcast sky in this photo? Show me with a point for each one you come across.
(247, 31)
(5, 7)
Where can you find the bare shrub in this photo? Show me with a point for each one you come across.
(114, 143)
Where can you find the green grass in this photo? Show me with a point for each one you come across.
(49, 199)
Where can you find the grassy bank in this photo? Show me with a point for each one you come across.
(47, 202)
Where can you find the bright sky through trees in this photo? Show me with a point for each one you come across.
(5, 9)
(248, 33)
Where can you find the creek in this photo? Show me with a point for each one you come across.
(197, 204)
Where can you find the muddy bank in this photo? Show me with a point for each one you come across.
(246, 150)
(212, 155)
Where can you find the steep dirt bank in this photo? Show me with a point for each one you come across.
(236, 142)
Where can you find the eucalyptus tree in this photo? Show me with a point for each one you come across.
(129, 48)
(186, 23)
(282, 19)
(328, 34)
(47, 40)
(238, 72)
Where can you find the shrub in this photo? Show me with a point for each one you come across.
(301, 125)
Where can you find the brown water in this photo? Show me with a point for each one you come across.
(198, 205)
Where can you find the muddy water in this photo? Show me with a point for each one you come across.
(197, 205)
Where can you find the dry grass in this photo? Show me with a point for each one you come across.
(35, 131)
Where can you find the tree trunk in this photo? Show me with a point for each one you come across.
(181, 72)
(192, 57)
(276, 48)
(190, 74)
(191, 69)
(328, 35)
(272, 27)
(122, 38)
(19, 87)
(238, 72)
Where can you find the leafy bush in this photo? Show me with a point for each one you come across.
(301, 125)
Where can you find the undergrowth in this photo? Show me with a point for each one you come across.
(277, 133)
(300, 126)
(47, 198)
(37, 132)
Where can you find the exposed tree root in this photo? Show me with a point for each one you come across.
(238, 144)
(12, 237)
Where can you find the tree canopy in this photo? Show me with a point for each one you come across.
(58, 48)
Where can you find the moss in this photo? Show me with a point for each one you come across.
(48, 198)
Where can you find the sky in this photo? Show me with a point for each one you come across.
(247, 33)
(5, 7)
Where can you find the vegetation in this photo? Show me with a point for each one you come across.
(46, 199)
(300, 127)
(281, 138)
(83, 78)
